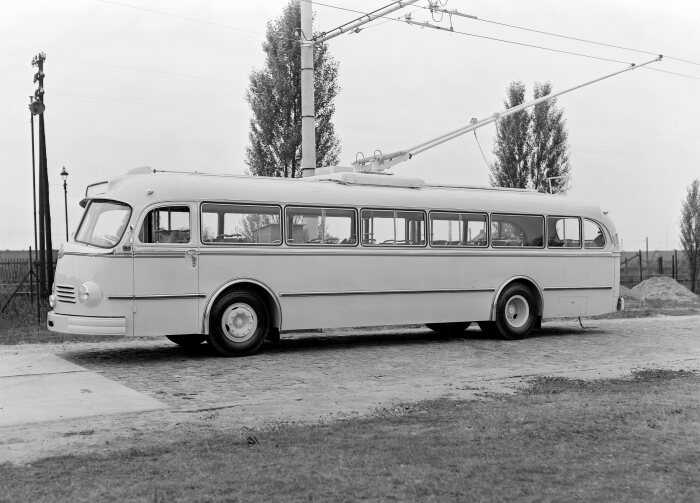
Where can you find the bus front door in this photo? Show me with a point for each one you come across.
(166, 274)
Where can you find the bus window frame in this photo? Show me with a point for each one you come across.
(213, 243)
(499, 247)
(155, 206)
(603, 230)
(394, 245)
(461, 247)
(321, 207)
(580, 227)
(84, 215)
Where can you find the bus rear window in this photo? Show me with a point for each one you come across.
(517, 230)
(103, 224)
(593, 236)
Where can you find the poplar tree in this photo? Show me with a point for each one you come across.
(274, 95)
(690, 231)
(531, 146)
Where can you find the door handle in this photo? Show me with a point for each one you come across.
(193, 256)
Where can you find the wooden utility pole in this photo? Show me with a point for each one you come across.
(45, 245)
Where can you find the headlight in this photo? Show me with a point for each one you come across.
(89, 294)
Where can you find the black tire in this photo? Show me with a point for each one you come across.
(516, 312)
(455, 328)
(239, 323)
(273, 335)
(187, 341)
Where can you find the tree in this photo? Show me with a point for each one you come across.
(274, 96)
(690, 231)
(531, 146)
(512, 149)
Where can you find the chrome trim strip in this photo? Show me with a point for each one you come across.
(403, 252)
(157, 296)
(384, 292)
(577, 288)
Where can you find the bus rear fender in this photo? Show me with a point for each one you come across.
(526, 281)
(265, 293)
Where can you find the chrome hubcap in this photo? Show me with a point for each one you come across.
(517, 311)
(239, 322)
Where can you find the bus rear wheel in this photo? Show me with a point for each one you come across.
(187, 341)
(449, 328)
(239, 324)
(516, 314)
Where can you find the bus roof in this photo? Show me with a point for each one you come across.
(146, 186)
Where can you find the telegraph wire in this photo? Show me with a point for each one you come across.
(673, 73)
(184, 18)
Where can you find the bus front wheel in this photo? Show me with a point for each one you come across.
(516, 313)
(239, 323)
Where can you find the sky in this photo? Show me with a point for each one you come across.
(162, 83)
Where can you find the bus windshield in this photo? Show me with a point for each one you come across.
(103, 224)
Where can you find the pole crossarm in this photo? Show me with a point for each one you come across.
(364, 19)
(378, 163)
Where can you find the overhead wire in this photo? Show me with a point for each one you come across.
(567, 37)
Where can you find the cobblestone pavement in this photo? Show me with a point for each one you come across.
(319, 376)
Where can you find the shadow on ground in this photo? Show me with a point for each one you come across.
(306, 343)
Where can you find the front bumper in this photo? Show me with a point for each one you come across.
(86, 325)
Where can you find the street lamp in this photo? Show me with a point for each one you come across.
(64, 175)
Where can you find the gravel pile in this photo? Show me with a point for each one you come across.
(665, 289)
(626, 293)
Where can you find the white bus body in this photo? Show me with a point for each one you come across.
(155, 255)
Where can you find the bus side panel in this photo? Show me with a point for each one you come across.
(336, 288)
(577, 286)
(384, 309)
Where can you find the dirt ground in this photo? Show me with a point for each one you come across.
(318, 377)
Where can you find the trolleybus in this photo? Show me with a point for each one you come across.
(234, 260)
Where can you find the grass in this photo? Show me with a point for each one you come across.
(19, 324)
(559, 440)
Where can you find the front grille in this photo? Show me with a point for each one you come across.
(65, 294)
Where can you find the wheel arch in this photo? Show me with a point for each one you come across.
(261, 289)
(527, 282)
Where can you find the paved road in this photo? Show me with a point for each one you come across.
(314, 376)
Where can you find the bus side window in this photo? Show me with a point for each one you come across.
(563, 232)
(517, 230)
(166, 225)
(457, 229)
(593, 236)
(226, 223)
(320, 226)
(393, 228)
